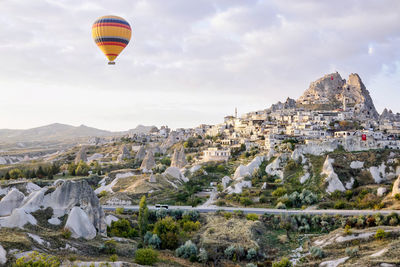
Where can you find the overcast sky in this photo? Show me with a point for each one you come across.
(189, 62)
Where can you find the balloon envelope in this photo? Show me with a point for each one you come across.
(112, 35)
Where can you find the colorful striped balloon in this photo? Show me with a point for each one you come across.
(112, 35)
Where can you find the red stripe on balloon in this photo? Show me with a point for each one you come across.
(111, 24)
(111, 43)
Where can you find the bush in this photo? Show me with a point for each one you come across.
(229, 252)
(190, 226)
(167, 230)
(122, 228)
(397, 196)
(380, 234)
(228, 215)
(109, 247)
(146, 256)
(252, 217)
(251, 254)
(280, 191)
(203, 256)
(119, 210)
(351, 252)
(317, 252)
(66, 233)
(154, 241)
(347, 230)
(234, 252)
(114, 258)
(36, 259)
(186, 251)
(192, 215)
(284, 262)
(102, 194)
(161, 213)
(246, 201)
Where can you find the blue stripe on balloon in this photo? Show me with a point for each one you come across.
(111, 39)
(112, 21)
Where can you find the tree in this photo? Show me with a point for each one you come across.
(167, 230)
(71, 169)
(82, 168)
(143, 219)
(40, 172)
(146, 256)
(15, 173)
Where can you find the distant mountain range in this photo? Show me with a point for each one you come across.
(60, 132)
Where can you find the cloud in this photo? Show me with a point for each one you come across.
(188, 61)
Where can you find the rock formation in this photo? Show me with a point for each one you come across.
(124, 154)
(388, 115)
(81, 155)
(79, 224)
(332, 92)
(3, 255)
(243, 171)
(396, 187)
(178, 158)
(332, 179)
(175, 173)
(148, 162)
(10, 202)
(140, 154)
(62, 198)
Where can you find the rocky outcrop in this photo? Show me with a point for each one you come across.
(62, 197)
(288, 104)
(247, 170)
(140, 154)
(396, 187)
(225, 181)
(3, 255)
(124, 154)
(148, 162)
(81, 155)
(11, 201)
(356, 164)
(80, 225)
(77, 193)
(178, 158)
(110, 219)
(332, 179)
(170, 141)
(388, 115)
(175, 173)
(378, 173)
(332, 92)
(381, 191)
(238, 187)
(275, 168)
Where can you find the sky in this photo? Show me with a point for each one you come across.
(188, 62)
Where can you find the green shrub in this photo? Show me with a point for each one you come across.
(36, 259)
(167, 230)
(280, 191)
(251, 254)
(154, 241)
(114, 258)
(228, 215)
(317, 252)
(109, 247)
(119, 210)
(190, 226)
(186, 251)
(246, 201)
(252, 217)
(102, 194)
(66, 233)
(122, 228)
(351, 252)
(397, 196)
(284, 262)
(203, 256)
(347, 230)
(146, 256)
(192, 215)
(380, 234)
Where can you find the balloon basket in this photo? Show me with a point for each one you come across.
(111, 63)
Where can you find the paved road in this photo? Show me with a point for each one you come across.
(262, 211)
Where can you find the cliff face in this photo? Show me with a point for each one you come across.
(331, 92)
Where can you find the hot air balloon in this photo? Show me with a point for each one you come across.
(112, 35)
